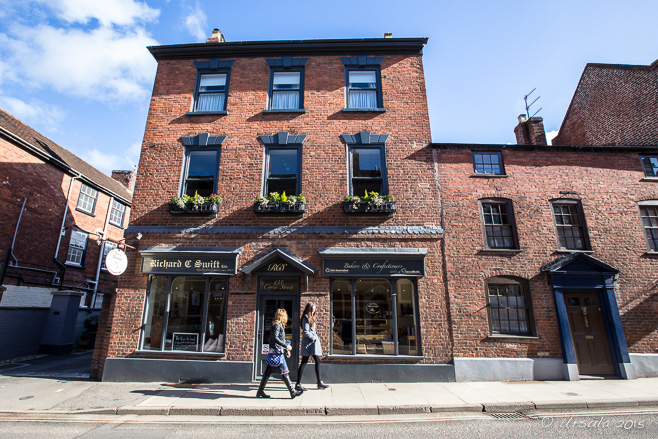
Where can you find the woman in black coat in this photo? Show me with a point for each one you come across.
(310, 347)
(276, 358)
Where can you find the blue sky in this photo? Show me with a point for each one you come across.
(78, 70)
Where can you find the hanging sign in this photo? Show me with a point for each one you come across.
(116, 262)
(373, 267)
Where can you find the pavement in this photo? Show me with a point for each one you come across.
(45, 393)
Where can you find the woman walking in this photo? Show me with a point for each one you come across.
(310, 347)
(276, 361)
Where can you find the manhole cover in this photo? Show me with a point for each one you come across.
(515, 415)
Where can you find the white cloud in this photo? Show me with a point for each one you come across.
(196, 22)
(102, 62)
(107, 162)
(550, 136)
(34, 113)
(107, 12)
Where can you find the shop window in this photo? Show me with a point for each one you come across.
(509, 308)
(368, 170)
(649, 217)
(200, 171)
(77, 247)
(570, 225)
(383, 320)
(282, 170)
(488, 163)
(117, 212)
(87, 199)
(498, 224)
(185, 313)
(108, 246)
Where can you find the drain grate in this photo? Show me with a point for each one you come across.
(514, 415)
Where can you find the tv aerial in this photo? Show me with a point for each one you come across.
(527, 106)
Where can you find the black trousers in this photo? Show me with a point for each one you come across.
(302, 365)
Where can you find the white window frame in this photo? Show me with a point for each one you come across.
(77, 247)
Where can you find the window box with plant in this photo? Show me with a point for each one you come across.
(280, 204)
(371, 203)
(196, 205)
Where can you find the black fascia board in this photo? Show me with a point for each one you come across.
(389, 46)
(547, 148)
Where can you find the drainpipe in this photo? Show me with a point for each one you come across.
(15, 233)
(100, 257)
(66, 210)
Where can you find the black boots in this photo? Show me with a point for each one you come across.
(322, 385)
(293, 392)
(300, 388)
(261, 389)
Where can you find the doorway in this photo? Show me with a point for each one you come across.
(277, 293)
(589, 335)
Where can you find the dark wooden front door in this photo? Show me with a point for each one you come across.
(588, 332)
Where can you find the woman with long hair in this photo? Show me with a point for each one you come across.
(310, 347)
(276, 358)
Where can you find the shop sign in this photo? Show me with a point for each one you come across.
(188, 264)
(184, 341)
(373, 267)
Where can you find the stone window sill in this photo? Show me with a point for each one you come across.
(499, 337)
(501, 250)
(566, 250)
(178, 353)
(287, 110)
(474, 175)
(375, 357)
(655, 179)
(206, 113)
(364, 110)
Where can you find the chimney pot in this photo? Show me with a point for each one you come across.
(388, 35)
(216, 37)
(522, 118)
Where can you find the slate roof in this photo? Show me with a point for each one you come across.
(24, 135)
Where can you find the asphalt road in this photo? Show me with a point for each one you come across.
(638, 424)
(74, 366)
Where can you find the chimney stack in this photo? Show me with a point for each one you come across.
(216, 37)
(530, 131)
(126, 178)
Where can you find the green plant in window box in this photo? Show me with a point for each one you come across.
(275, 197)
(370, 203)
(197, 203)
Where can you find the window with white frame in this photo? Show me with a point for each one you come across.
(87, 199)
(108, 246)
(77, 247)
(117, 212)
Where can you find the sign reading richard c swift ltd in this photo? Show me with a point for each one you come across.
(182, 263)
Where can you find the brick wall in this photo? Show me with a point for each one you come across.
(613, 105)
(609, 184)
(45, 187)
(411, 178)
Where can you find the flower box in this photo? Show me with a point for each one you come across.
(387, 208)
(208, 208)
(280, 208)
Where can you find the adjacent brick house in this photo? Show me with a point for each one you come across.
(560, 247)
(324, 119)
(54, 206)
(613, 104)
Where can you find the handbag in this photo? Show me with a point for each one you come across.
(274, 358)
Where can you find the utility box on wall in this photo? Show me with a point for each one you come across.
(57, 336)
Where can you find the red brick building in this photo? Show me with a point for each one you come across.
(613, 104)
(560, 248)
(56, 208)
(301, 125)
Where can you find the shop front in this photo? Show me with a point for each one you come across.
(375, 324)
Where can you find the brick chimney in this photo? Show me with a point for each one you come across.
(216, 37)
(530, 131)
(126, 178)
